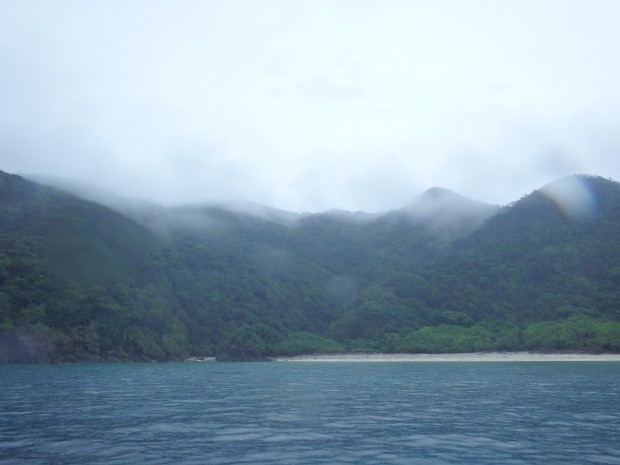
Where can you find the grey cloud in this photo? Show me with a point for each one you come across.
(189, 102)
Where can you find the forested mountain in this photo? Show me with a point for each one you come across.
(82, 281)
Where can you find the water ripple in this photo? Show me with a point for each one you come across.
(449, 413)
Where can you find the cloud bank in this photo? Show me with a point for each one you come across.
(310, 105)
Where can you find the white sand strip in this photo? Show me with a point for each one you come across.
(466, 357)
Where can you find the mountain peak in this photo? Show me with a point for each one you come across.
(439, 199)
(447, 212)
(438, 192)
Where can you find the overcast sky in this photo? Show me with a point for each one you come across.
(310, 105)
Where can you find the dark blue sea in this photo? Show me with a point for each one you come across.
(311, 413)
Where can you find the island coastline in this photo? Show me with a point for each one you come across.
(453, 357)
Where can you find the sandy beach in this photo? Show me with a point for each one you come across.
(467, 357)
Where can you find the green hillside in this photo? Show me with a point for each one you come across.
(80, 281)
(76, 279)
(530, 278)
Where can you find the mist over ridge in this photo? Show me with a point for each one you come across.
(436, 195)
(446, 213)
(81, 281)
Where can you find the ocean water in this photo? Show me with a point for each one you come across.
(311, 413)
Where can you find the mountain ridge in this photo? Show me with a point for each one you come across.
(114, 201)
(80, 281)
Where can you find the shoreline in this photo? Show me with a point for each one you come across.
(453, 357)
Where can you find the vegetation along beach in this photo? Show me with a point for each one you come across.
(88, 281)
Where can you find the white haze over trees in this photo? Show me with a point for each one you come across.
(310, 105)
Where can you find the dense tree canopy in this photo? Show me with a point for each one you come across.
(79, 281)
